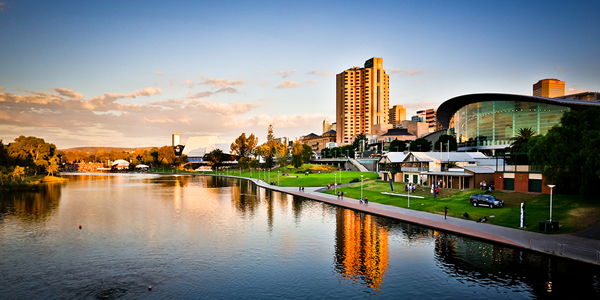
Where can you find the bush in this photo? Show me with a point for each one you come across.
(354, 180)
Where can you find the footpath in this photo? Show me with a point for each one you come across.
(562, 245)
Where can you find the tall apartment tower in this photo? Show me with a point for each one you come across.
(362, 100)
(429, 116)
(549, 88)
(397, 114)
(176, 139)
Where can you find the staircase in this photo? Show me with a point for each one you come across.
(359, 166)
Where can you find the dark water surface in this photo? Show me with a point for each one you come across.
(218, 238)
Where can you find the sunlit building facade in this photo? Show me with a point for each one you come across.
(397, 114)
(362, 100)
(549, 88)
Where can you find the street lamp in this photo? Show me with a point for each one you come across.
(335, 183)
(277, 177)
(361, 193)
(551, 186)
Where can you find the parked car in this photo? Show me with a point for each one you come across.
(486, 200)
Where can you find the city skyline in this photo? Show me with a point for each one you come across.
(131, 74)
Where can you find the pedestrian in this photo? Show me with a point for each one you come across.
(338, 194)
(299, 189)
(342, 195)
(366, 201)
(414, 188)
(303, 189)
(481, 185)
(484, 186)
(445, 212)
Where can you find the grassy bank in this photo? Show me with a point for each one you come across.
(573, 212)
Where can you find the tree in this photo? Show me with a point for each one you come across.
(215, 158)
(420, 145)
(357, 141)
(154, 155)
(282, 155)
(297, 153)
(166, 155)
(32, 151)
(519, 143)
(569, 152)
(444, 140)
(18, 173)
(52, 166)
(243, 146)
(398, 146)
(307, 153)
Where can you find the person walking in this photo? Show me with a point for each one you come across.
(445, 212)
(366, 201)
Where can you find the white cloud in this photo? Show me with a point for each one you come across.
(221, 82)
(286, 74)
(159, 73)
(287, 84)
(320, 73)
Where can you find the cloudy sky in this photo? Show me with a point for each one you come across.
(131, 73)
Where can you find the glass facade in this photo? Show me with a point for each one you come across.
(494, 123)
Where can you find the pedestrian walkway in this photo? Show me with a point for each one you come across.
(563, 245)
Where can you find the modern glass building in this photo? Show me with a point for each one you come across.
(486, 122)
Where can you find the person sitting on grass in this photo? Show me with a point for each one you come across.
(482, 220)
(465, 215)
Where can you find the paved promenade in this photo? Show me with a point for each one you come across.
(563, 245)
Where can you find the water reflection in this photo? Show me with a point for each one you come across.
(31, 206)
(361, 248)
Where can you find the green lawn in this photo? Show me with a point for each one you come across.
(573, 212)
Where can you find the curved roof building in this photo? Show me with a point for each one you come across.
(489, 121)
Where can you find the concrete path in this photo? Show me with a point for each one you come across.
(563, 245)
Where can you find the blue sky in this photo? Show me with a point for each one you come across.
(130, 73)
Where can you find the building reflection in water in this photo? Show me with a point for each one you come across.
(361, 248)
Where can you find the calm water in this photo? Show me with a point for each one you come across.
(205, 237)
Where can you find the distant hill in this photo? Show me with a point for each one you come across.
(106, 149)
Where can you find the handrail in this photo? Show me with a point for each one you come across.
(561, 248)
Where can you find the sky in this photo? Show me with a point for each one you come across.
(131, 73)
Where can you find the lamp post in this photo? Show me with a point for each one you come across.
(361, 193)
(335, 183)
(277, 177)
(551, 186)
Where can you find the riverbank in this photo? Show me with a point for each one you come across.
(561, 245)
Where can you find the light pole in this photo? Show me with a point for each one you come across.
(277, 177)
(551, 186)
(335, 183)
(409, 188)
(361, 180)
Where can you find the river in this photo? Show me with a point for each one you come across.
(218, 238)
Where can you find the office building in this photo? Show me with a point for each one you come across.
(549, 88)
(176, 139)
(397, 114)
(362, 100)
(428, 116)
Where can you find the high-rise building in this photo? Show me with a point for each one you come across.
(362, 100)
(549, 88)
(429, 116)
(397, 114)
(176, 138)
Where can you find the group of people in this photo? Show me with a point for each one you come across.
(410, 186)
(300, 189)
(485, 187)
(340, 194)
(366, 202)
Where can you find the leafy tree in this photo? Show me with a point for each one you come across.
(444, 139)
(18, 173)
(357, 141)
(297, 153)
(398, 146)
(519, 143)
(215, 158)
(307, 153)
(243, 146)
(166, 155)
(154, 155)
(420, 145)
(282, 155)
(52, 166)
(569, 152)
(32, 150)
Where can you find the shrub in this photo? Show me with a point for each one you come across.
(354, 180)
